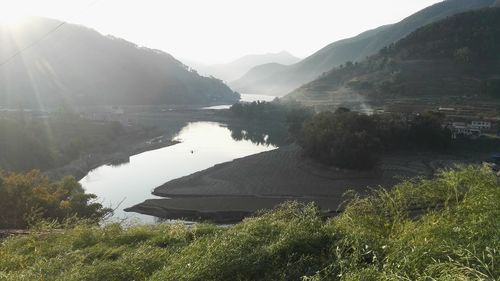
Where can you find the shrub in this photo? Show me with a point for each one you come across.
(27, 198)
(446, 228)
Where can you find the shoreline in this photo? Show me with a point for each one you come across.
(80, 167)
(231, 191)
(152, 130)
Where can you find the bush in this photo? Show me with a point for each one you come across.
(441, 229)
(27, 198)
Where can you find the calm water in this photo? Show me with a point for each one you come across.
(203, 144)
(244, 98)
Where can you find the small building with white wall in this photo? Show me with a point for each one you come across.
(482, 125)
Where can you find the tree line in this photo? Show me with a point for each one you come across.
(345, 138)
(353, 140)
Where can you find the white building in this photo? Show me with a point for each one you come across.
(465, 131)
(482, 125)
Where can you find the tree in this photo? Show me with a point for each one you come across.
(31, 196)
(427, 132)
(344, 139)
(351, 140)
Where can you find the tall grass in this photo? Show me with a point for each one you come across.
(447, 228)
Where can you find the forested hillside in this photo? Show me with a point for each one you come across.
(282, 81)
(459, 56)
(48, 143)
(77, 65)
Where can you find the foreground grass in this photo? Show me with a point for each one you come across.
(390, 235)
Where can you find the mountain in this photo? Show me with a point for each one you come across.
(237, 68)
(252, 77)
(353, 49)
(75, 65)
(458, 56)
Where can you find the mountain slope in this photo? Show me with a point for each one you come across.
(235, 69)
(77, 65)
(252, 77)
(356, 48)
(458, 56)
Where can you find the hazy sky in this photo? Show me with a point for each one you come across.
(214, 31)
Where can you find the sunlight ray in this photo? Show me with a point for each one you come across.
(37, 104)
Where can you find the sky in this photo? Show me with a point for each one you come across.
(218, 31)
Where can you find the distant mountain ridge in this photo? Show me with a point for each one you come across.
(353, 49)
(236, 69)
(79, 66)
(458, 56)
(247, 81)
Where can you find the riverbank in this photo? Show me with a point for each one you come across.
(152, 128)
(231, 191)
(375, 239)
(120, 155)
(225, 210)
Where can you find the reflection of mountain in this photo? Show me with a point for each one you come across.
(262, 133)
(280, 81)
(77, 65)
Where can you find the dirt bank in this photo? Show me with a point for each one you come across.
(224, 209)
(233, 190)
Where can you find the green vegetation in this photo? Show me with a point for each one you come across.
(97, 70)
(270, 111)
(457, 56)
(468, 38)
(352, 140)
(27, 198)
(44, 144)
(441, 229)
(281, 80)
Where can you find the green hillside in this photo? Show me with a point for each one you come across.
(458, 56)
(78, 66)
(354, 49)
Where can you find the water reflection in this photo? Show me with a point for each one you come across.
(260, 133)
(204, 144)
(244, 98)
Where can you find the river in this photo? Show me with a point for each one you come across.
(244, 98)
(203, 145)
